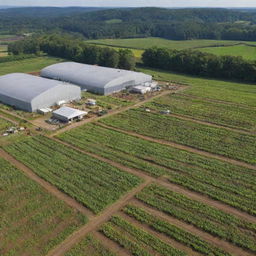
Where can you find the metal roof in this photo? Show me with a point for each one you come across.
(84, 74)
(25, 87)
(68, 112)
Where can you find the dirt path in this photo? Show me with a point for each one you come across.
(176, 188)
(184, 147)
(50, 188)
(234, 250)
(114, 112)
(173, 243)
(95, 222)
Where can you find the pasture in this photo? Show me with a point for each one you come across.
(243, 50)
(144, 43)
(27, 65)
(94, 184)
(32, 220)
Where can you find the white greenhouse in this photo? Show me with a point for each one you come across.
(96, 79)
(31, 93)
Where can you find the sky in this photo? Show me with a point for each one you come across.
(132, 3)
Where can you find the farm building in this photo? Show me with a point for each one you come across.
(96, 79)
(66, 114)
(31, 93)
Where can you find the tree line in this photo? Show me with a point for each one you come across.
(75, 50)
(178, 24)
(200, 64)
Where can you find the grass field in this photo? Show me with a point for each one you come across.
(3, 50)
(93, 183)
(135, 240)
(186, 169)
(89, 246)
(245, 51)
(212, 139)
(213, 112)
(28, 65)
(32, 220)
(212, 89)
(204, 217)
(144, 43)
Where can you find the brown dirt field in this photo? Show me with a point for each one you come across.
(234, 250)
(53, 190)
(162, 237)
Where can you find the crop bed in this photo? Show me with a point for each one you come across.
(213, 112)
(32, 221)
(214, 140)
(204, 217)
(222, 181)
(137, 241)
(172, 231)
(91, 182)
(4, 124)
(89, 246)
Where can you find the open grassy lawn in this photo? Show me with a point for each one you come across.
(93, 183)
(32, 221)
(144, 43)
(27, 65)
(245, 51)
(230, 92)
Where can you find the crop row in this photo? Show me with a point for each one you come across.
(213, 112)
(137, 241)
(89, 246)
(222, 181)
(4, 124)
(93, 183)
(32, 221)
(215, 140)
(207, 218)
(190, 240)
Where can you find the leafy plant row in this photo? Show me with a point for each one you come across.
(137, 241)
(190, 240)
(213, 112)
(202, 216)
(215, 140)
(222, 181)
(93, 183)
(32, 221)
(89, 246)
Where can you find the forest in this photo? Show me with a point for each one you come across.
(94, 23)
